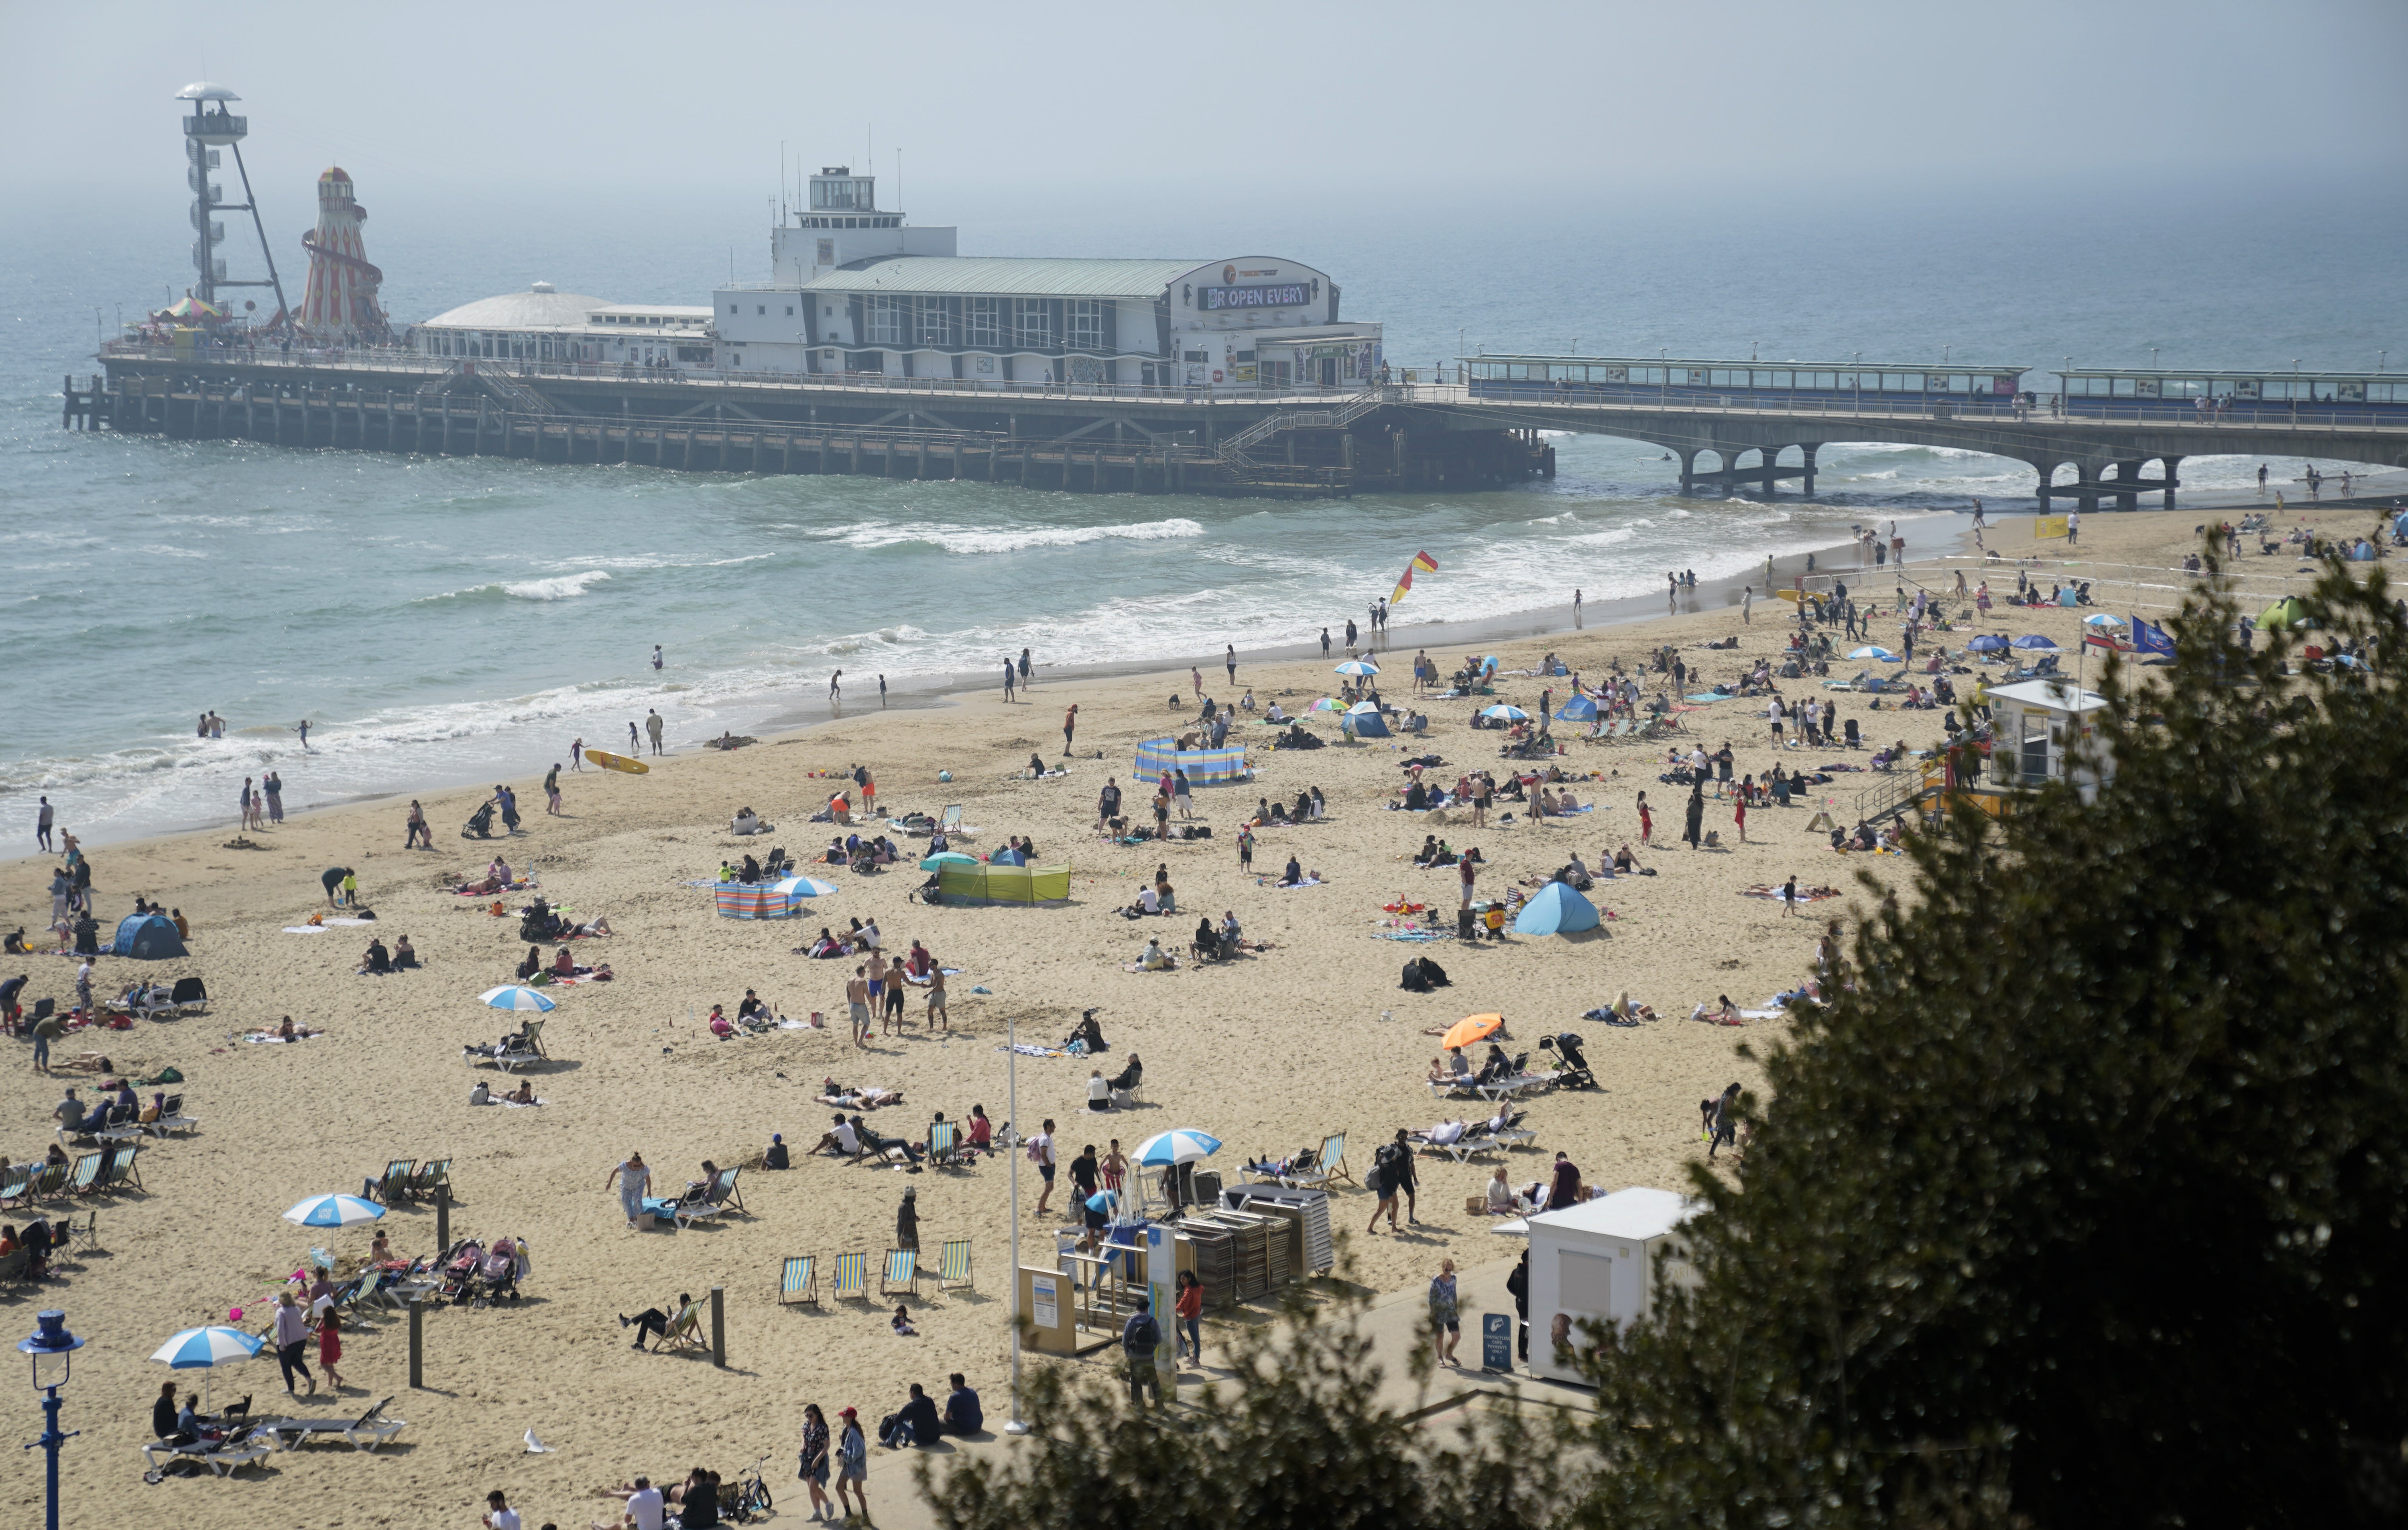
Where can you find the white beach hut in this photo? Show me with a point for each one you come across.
(2046, 730)
(1597, 1262)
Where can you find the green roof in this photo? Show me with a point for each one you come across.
(1017, 277)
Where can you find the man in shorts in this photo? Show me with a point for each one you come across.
(1040, 1152)
(936, 1010)
(856, 1000)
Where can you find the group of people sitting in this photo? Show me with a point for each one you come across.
(1211, 945)
(858, 940)
(482, 1093)
(847, 1136)
(862, 856)
(533, 968)
(498, 878)
(1155, 897)
(1311, 807)
(377, 962)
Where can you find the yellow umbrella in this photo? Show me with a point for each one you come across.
(1472, 1031)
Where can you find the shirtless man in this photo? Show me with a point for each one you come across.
(879, 978)
(856, 999)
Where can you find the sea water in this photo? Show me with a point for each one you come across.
(448, 621)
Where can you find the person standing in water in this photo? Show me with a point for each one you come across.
(304, 731)
(656, 655)
(835, 687)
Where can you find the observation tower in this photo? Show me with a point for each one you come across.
(341, 297)
(210, 128)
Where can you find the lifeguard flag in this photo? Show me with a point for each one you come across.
(1423, 561)
(2151, 639)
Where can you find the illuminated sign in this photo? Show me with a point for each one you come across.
(1285, 294)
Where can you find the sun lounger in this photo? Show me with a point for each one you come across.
(798, 1281)
(953, 1264)
(1516, 1085)
(1470, 1145)
(853, 1277)
(365, 1433)
(901, 1273)
(242, 1448)
(191, 996)
(523, 1047)
(172, 1118)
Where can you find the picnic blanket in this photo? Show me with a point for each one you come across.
(1140, 966)
(305, 929)
(524, 884)
(1030, 1049)
(269, 1038)
(1273, 882)
(520, 1104)
(1415, 934)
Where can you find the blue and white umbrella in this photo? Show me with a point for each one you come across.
(2036, 642)
(1578, 709)
(512, 996)
(1358, 666)
(1364, 709)
(1179, 1145)
(198, 1347)
(1990, 642)
(802, 887)
(1509, 714)
(2102, 619)
(1874, 650)
(333, 1211)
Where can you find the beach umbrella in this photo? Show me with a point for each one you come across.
(333, 1211)
(1873, 651)
(810, 887)
(511, 996)
(2035, 642)
(1990, 642)
(1505, 713)
(2102, 619)
(1358, 666)
(1578, 709)
(198, 1347)
(1470, 1031)
(1364, 709)
(1325, 704)
(945, 858)
(1179, 1145)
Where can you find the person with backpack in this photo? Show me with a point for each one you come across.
(1139, 1337)
(852, 1464)
(1382, 1181)
(1400, 1172)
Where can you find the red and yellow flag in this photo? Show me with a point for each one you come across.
(1423, 561)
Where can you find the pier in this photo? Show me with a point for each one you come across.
(1302, 442)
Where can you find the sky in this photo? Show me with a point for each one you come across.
(1471, 106)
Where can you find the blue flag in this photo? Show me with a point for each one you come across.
(2149, 639)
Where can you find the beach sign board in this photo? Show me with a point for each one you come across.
(1497, 1342)
(2044, 527)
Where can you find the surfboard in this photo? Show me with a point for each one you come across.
(617, 761)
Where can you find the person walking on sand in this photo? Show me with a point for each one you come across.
(634, 745)
(1646, 821)
(1027, 671)
(1576, 610)
(652, 726)
(1231, 660)
(291, 1334)
(1010, 676)
(43, 817)
(1040, 1152)
(330, 1348)
(853, 1467)
(1070, 726)
(1789, 897)
(856, 1003)
(416, 828)
(1694, 830)
(1196, 678)
(881, 689)
(633, 1178)
(552, 790)
(835, 686)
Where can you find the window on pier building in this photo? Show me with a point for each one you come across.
(935, 324)
(1035, 325)
(1085, 325)
(886, 322)
(983, 322)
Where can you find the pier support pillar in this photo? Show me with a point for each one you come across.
(2173, 481)
(1807, 483)
(1688, 471)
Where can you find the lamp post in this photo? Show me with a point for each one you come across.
(1011, 1115)
(53, 1351)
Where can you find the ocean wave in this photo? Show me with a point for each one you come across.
(970, 540)
(564, 587)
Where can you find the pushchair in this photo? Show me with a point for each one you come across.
(1567, 1046)
(480, 824)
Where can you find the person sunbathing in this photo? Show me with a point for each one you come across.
(523, 1094)
(1445, 1134)
(564, 964)
(598, 925)
(1625, 1009)
(719, 1025)
(1154, 959)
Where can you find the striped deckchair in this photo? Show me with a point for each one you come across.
(853, 1277)
(953, 1264)
(902, 1273)
(798, 1281)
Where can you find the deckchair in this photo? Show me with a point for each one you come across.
(50, 1183)
(684, 1332)
(902, 1272)
(728, 1200)
(86, 1173)
(953, 1264)
(13, 1265)
(391, 1184)
(422, 1179)
(121, 1174)
(950, 820)
(16, 1185)
(945, 1145)
(798, 1281)
(853, 1277)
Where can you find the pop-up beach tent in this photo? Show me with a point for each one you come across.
(983, 882)
(148, 937)
(1555, 909)
(1204, 766)
(1363, 719)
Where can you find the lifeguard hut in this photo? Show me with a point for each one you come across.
(2044, 730)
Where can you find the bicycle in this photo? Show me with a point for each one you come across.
(748, 1501)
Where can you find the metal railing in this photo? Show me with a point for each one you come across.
(1918, 407)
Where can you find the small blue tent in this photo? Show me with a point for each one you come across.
(1363, 721)
(148, 937)
(1555, 909)
(1578, 709)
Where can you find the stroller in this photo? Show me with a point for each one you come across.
(480, 824)
(1567, 1046)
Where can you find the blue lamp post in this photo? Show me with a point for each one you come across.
(53, 1351)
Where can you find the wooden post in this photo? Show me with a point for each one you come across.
(442, 1216)
(719, 1326)
(418, 1342)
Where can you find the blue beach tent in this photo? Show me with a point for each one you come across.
(1363, 721)
(1555, 909)
(148, 937)
(1578, 709)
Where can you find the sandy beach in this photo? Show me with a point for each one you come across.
(1269, 1052)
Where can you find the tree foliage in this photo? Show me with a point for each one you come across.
(2080, 1201)
(1296, 1440)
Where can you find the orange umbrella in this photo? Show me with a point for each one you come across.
(1470, 1031)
